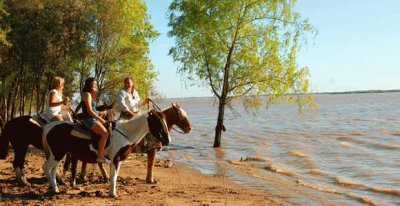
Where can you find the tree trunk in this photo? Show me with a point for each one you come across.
(37, 86)
(8, 104)
(220, 122)
(224, 95)
(31, 101)
(14, 100)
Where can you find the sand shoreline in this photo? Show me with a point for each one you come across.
(177, 184)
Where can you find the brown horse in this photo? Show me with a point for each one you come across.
(21, 132)
(58, 140)
(174, 115)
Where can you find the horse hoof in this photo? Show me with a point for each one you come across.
(151, 182)
(83, 179)
(24, 182)
(114, 195)
(53, 190)
(61, 181)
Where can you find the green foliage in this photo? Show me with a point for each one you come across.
(4, 28)
(251, 44)
(241, 49)
(120, 45)
(106, 39)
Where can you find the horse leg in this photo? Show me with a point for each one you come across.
(83, 172)
(50, 168)
(151, 157)
(73, 171)
(18, 164)
(67, 164)
(54, 176)
(114, 174)
(106, 179)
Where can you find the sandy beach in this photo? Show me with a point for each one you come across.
(177, 184)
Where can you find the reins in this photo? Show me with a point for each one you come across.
(156, 107)
(126, 137)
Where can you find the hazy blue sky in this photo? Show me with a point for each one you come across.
(357, 47)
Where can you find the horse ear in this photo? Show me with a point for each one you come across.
(175, 104)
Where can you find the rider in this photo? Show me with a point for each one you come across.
(56, 102)
(93, 118)
(129, 101)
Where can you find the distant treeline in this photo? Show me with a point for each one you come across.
(106, 39)
(361, 92)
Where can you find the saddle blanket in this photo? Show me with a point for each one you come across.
(38, 120)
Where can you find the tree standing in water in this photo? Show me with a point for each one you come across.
(241, 49)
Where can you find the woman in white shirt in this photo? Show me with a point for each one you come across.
(56, 102)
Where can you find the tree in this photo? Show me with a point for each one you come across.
(120, 45)
(4, 28)
(74, 39)
(44, 37)
(241, 49)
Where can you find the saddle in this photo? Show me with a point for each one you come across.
(38, 120)
(81, 131)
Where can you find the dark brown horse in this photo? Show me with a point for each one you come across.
(21, 132)
(58, 140)
(174, 115)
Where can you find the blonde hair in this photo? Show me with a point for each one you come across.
(57, 82)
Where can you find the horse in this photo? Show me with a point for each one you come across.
(58, 141)
(21, 132)
(174, 115)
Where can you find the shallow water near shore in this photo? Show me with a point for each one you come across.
(347, 151)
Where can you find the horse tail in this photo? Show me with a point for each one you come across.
(4, 141)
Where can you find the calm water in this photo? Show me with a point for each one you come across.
(347, 152)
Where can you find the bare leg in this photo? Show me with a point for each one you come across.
(102, 144)
(57, 118)
(100, 130)
(67, 117)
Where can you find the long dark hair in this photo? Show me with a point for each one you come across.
(88, 85)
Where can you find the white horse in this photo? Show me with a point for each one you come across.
(59, 139)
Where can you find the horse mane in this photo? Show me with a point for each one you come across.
(131, 126)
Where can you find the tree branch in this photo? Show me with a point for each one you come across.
(209, 75)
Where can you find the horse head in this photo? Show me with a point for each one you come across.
(158, 127)
(181, 118)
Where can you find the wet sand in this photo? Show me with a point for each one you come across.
(176, 184)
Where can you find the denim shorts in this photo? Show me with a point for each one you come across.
(89, 122)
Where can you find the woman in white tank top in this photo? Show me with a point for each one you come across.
(56, 102)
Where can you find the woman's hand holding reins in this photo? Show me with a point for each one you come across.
(66, 99)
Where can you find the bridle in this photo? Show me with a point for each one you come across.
(156, 107)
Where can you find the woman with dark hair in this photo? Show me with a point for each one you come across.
(93, 119)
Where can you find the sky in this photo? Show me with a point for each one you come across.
(357, 47)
